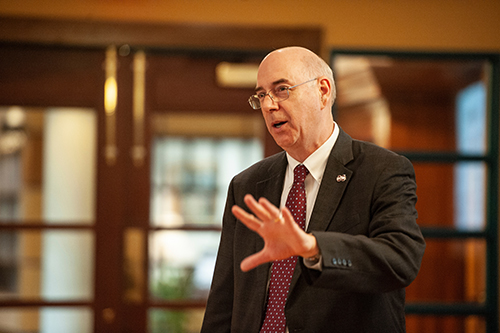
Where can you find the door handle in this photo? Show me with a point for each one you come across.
(138, 150)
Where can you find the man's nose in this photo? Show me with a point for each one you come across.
(268, 104)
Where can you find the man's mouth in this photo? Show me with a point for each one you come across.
(279, 124)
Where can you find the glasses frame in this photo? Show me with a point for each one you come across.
(252, 100)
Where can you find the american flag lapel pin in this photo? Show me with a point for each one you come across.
(341, 178)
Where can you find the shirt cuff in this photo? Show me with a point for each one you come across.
(314, 263)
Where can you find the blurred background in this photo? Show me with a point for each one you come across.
(123, 122)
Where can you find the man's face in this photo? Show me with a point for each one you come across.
(291, 122)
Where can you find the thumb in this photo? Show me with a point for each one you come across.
(253, 261)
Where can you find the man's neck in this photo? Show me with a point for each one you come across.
(302, 153)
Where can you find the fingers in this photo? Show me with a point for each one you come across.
(253, 261)
(286, 214)
(271, 209)
(272, 224)
(263, 209)
(247, 219)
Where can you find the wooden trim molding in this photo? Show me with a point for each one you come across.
(94, 33)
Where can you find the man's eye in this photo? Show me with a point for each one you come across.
(281, 88)
(261, 95)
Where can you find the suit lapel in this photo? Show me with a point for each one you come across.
(335, 181)
(272, 186)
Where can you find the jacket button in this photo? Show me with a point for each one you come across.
(334, 261)
(349, 263)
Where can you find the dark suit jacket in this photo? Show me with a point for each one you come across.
(366, 229)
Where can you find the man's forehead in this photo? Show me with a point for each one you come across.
(270, 76)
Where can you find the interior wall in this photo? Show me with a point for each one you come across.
(448, 25)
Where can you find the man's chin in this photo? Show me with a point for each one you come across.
(285, 144)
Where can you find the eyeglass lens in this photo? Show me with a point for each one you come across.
(277, 94)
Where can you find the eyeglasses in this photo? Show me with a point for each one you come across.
(277, 94)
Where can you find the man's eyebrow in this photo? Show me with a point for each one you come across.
(274, 84)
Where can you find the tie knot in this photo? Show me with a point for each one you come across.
(299, 173)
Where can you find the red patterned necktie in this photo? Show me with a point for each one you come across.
(282, 271)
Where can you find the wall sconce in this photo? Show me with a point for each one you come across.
(236, 75)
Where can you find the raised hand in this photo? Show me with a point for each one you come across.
(282, 236)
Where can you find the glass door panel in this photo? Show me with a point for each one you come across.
(472, 324)
(182, 264)
(459, 202)
(51, 265)
(460, 268)
(48, 165)
(190, 177)
(186, 321)
(61, 320)
(47, 212)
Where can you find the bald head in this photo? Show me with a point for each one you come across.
(305, 64)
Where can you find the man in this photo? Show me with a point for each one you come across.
(361, 245)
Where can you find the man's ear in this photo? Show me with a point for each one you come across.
(325, 88)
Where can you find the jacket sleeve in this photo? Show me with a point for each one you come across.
(383, 248)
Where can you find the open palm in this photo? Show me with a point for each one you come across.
(282, 236)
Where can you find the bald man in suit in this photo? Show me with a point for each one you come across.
(361, 245)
